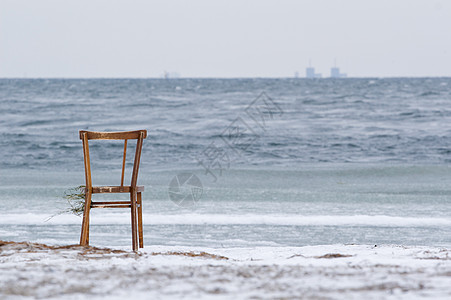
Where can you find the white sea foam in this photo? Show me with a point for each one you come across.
(222, 219)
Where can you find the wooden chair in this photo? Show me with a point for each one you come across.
(135, 202)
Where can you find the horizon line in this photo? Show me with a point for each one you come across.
(244, 77)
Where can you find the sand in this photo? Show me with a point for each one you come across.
(30, 271)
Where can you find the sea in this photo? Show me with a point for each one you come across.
(233, 162)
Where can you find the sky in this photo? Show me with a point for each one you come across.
(224, 38)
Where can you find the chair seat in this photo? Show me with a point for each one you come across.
(115, 189)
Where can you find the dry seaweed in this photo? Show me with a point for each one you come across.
(75, 197)
(333, 255)
(37, 247)
(87, 252)
(193, 254)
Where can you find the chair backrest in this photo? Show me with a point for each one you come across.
(138, 135)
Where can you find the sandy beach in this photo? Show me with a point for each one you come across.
(30, 271)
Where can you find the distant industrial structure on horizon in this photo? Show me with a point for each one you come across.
(334, 72)
(170, 75)
(310, 73)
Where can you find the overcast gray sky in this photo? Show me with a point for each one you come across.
(224, 38)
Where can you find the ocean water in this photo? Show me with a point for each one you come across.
(281, 162)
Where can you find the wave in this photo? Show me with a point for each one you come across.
(429, 93)
(222, 219)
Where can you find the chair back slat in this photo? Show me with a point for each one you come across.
(87, 162)
(121, 135)
(123, 162)
(139, 145)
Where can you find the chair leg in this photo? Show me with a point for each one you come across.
(84, 237)
(140, 221)
(134, 222)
